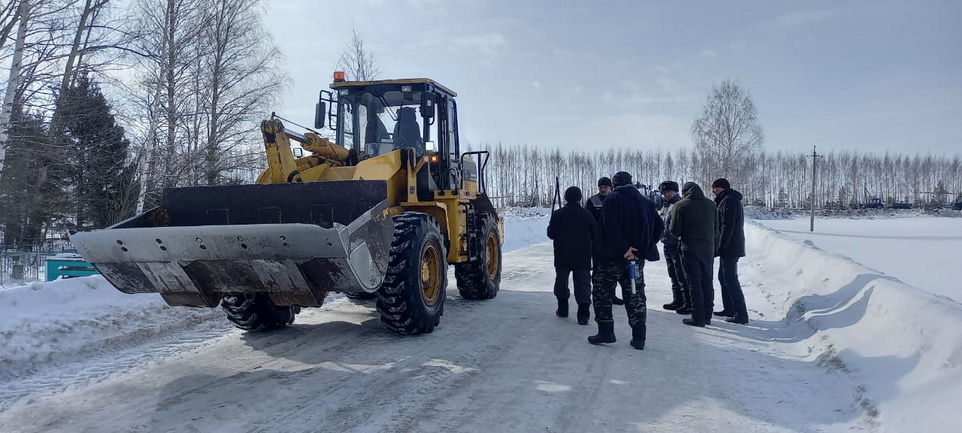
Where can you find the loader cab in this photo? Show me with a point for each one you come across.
(376, 117)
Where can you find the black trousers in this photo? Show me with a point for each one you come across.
(733, 299)
(698, 273)
(582, 279)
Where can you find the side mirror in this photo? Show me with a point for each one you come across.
(320, 112)
(430, 147)
(427, 106)
(298, 152)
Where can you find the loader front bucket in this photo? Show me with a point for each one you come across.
(294, 241)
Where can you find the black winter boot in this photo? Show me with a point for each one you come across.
(617, 301)
(692, 322)
(737, 320)
(676, 299)
(685, 301)
(638, 337)
(724, 313)
(584, 312)
(606, 333)
(562, 310)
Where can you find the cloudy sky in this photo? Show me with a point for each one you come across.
(870, 76)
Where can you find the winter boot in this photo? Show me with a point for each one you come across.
(606, 333)
(685, 301)
(617, 301)
(737, 320)
(638, 337)
(676, 299)
(584, 312)
(692, 322)
(562, 310)
(724, 313)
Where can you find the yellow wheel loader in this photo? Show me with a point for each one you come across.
(379, 209)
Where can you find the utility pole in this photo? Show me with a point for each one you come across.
(815, 156)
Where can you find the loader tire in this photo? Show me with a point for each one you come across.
(481, 278)
(256, 312)
(411, 299)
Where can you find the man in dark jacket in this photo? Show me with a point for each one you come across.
(627, 235)
(680, 293)
(731, 246)
(694, 223)
(572, 228)
(596, 201)
(594, 205)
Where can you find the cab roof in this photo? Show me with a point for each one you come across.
(435, 84)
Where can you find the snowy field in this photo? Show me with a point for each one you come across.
(832, 346)
(924, 252)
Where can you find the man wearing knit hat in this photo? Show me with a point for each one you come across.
(572, 228)
(731, 247)
(596, 201)
(631, 227)
(594, 205)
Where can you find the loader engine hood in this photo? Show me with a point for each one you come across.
(294, 241)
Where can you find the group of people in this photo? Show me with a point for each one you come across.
(606, 242)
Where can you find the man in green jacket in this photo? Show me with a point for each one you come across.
(694, 222)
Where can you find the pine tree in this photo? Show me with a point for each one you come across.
(102, 180)
(28, 190)
(782, 199)
(941, 194)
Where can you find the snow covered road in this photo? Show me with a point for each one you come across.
(502, 365)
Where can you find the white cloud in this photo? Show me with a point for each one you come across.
(709, 53)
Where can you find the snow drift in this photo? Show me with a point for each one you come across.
(905, 345)
(45, 325)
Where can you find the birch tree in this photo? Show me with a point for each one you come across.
(727, 132)
(14, 14)
(242, 83)
(357, 60)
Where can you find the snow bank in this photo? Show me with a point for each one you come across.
(43, 325)
(905, 345)
(921, 251)
(524, 227)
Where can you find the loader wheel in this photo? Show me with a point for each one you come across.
(256, 312)
(411, 299)
(480, 279)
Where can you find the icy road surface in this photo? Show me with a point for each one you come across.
(502, 365)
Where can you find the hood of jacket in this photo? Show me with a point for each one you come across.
(692, 190)
(628, 190)
(734, 195)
